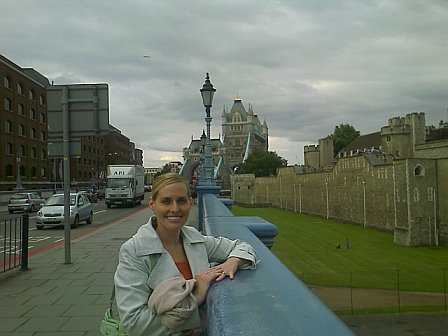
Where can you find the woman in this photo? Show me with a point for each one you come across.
(164, 253)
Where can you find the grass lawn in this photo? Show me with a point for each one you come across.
(307, 246)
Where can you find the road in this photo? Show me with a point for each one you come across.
(39, 239)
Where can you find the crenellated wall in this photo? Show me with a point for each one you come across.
(407, 197)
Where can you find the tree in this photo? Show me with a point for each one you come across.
(165, 169)
(342, 136)
(262, 163)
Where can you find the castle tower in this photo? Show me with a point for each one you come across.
(242, 132)
(326, 152)
(402, 134)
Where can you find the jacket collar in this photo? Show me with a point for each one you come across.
(148, 242)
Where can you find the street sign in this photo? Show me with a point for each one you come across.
(75, 111)
(87, 105)
(56, 148)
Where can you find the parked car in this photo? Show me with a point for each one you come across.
(25, 201)
(52, 214)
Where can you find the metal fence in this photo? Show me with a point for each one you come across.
(402, 291)
(14, 243)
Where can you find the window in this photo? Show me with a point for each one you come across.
(43, 154)
(20, 110)
(42, 136)
(9, 170)
(33, 133)
(43, 172)
(32, 114)
(22, 171)
(33, 153)
(430, 194)
(419, 170)
(416, 195)
(8, 126)
(22, 150)
(7, 82)
(21, 130)
(31, 94)
(42, 100)
(9, 149)
(8, 104)
(20, 89)
(42, 118)
(33, 171)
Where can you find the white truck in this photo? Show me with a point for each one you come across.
(124, 185)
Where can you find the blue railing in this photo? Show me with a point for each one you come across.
(268, 301)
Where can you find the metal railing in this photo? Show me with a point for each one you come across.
(400, 290)
(14, 234)
(268, 301)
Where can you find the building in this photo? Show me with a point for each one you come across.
(393, 180)
(242, 133)
(150, 174)
(24, 138)
(23, 119)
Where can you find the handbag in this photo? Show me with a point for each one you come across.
(110, 325)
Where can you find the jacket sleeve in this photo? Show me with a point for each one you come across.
(220, 249)
(132, 293)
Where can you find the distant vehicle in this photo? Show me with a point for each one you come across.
(93, 197)
(52, 214)
(101, 193)
(26, 201)
(147, 188)
(124, 185)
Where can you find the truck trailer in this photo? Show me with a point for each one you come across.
(124, 185)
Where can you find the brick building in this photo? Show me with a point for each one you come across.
(24, 137)
(23, 120)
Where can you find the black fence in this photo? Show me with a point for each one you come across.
(387, 291)
(14, 243)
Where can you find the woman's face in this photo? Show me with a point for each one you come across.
(171, 206)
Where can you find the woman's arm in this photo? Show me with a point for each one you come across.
(231, 254)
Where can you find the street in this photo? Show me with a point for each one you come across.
(39, 239)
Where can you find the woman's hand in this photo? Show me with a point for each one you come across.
(203, 282)
(229, 267)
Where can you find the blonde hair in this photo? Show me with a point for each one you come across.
(166, 179)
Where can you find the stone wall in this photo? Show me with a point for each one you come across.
(407, 197)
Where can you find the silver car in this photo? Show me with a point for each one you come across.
(52, 214)
(25, 201)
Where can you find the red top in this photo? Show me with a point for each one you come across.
(184, 268)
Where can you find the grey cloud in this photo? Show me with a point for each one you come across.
(305, 66)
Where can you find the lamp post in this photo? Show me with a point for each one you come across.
(19, 185)
(207, 93)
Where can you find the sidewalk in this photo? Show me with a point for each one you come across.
(54, 298)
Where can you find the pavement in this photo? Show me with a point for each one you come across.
(53, 298)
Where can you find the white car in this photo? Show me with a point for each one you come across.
(25, 201)
(52, 214)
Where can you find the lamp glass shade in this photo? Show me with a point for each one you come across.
(207, 97)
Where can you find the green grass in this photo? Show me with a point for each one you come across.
(307, 246)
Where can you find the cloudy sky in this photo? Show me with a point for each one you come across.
(305, 66)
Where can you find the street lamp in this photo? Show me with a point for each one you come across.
(19, 185)
(207, 93)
